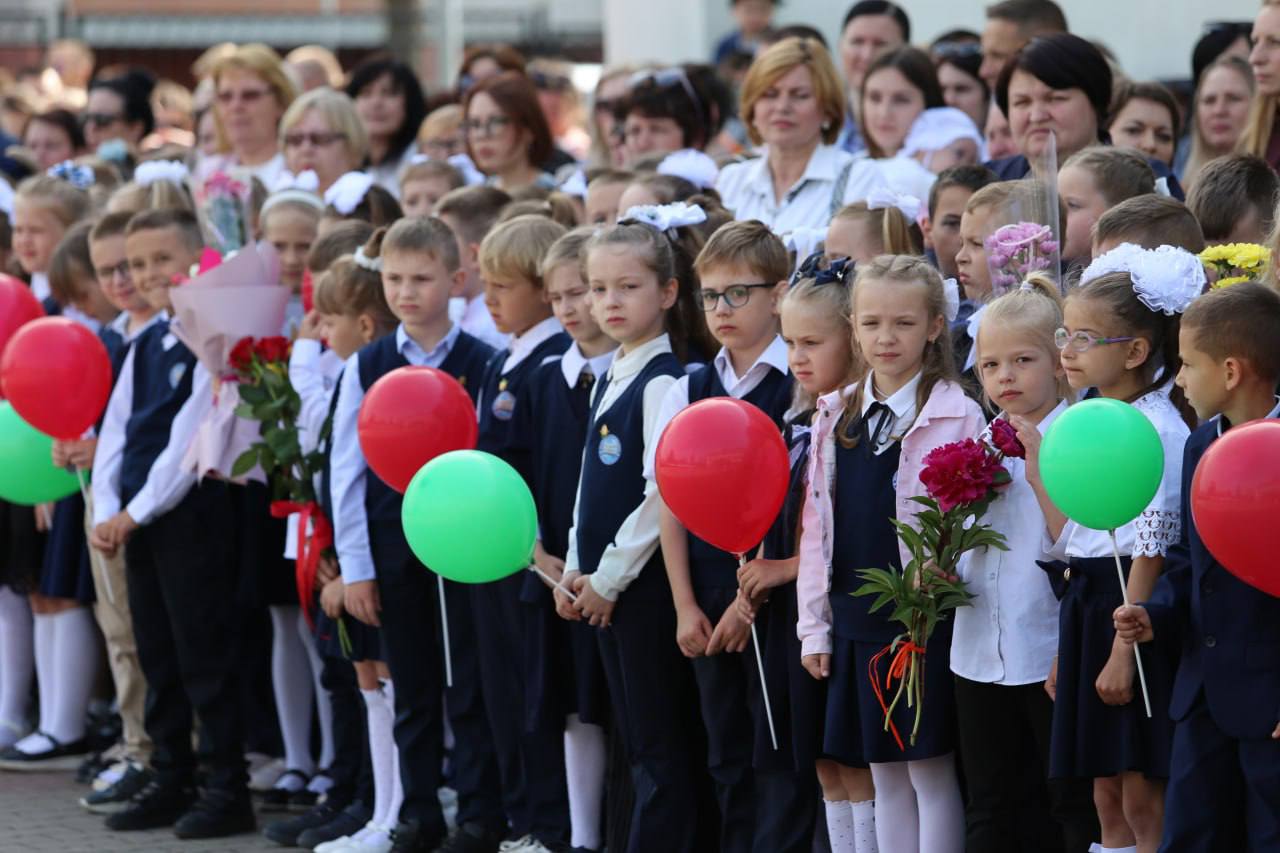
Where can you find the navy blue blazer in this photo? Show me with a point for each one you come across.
(1230, 631)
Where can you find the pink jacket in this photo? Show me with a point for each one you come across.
(948, 415)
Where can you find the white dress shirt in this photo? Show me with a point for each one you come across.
(522, 345)
(637, 538)
(313, 373)
(1009, 633)
(901, 414)
(774, 357)
(573, 363)
(747, 190)
(347, 466)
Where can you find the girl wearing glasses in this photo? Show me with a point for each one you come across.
(507, 134)
(252, 93)
(321, 132)
(1120, 336)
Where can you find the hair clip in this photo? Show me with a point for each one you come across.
(883, 198)
(79, 176)
(365, 262)
(150, 171)
(665, 217)
(823, 270)
(348, 191)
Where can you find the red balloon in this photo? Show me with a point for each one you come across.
(722, 469)
(18, 306)
(57, 375)
(411, 416)
(1234, 495)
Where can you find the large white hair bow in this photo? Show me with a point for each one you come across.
(667, 217)
(150, 171)
(79, 176)
(301, 188)
(882, 198)
(694, 166)
(1165, 279)
(575, 185)
(348, 191)
(803, 241)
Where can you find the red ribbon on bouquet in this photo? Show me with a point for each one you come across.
(309, 547)
(897, 670)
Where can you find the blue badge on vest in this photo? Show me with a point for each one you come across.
(176, 373)
(610, 449)
(895, 481)
(504, 405)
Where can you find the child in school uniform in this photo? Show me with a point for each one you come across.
(289, 220)
(742, 270)
(1004, 643)
(869, 442)
(470, 212)
(383, 583)
(355, 195)
(66, 642)
(613, 565)
(531, 762)
(819, 338)
(180, 556)
(44, 207)
(1149, 221)
(424, 182)
(565, 681)
(1224, 779)
(1091, 182)
(1120, 336)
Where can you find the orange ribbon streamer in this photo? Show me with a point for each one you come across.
(897, 670)
(309, 548)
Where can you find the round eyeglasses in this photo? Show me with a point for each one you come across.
(1082, 341)
(735, 294)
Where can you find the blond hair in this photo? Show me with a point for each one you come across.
(416, 234)
(262, 62)
(515, 248)
(338, 111)
(134, 198)
(776, 62)
(1033, 308)
(66, 202)
(442, 121)
(898, 235)
(321, 57)
(1262, 117)
(748, 243)
(425, 170)
(567, 250)
(832, 299)
(350, 290)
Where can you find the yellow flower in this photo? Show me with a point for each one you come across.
(1227, 282)
(1249, 256)
(1218, 254)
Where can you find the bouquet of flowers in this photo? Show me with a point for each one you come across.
(961, 479)
(1236, 262)
(1015, 251)
(222, 206)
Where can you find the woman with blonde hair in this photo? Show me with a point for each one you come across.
(252, 92)
(321, 132)
(1260, 137)
(1220, 111)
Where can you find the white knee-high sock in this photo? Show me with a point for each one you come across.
(291, 682)
(897, 818)
(391, 815)
(939, 803)
(585, 754)
(45, 645)
(324, 703)
(864, 826)
(382, 749)
(75, 662)
(17, 663)
(840, 826)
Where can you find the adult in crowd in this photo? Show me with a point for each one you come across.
(792, 104)
(561, 105)
(899, 85)
(118, 108)
(1261, 138)
(52, 137)
(1220, 39)
(482, 61)
(1010, 25)
(392, 106)
(1220, 113)
(507, 134)
(607, 140)
(870, 27)
(322, 132)
(251, 93)
(315, 66)
(668, 109)
(958, 60)
(1146, 116)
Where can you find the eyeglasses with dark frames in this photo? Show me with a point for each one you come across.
(736, 295)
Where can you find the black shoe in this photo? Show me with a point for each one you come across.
(60, 756)
(302, 801)
(217, 814)
(90, 768)
(158, 804)
(286, 832)
(412, 837)
(277, 799)
(118, 796)
(349, 821)
(470, 837)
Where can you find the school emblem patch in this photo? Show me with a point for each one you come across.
(610, 448)
(176, 373)
(504, 406)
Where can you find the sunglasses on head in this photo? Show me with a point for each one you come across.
(667, 78)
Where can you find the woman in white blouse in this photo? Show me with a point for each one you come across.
(792, 104)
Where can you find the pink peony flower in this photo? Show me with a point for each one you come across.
(959, 473)
(1005, 439)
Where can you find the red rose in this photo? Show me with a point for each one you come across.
(272, 349)
(241, 358)
(1005, 439)
(960, 473)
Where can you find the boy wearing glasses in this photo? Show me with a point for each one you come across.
(743, 271)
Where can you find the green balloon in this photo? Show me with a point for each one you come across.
(1101, 463)
(27, 474)
(469, 517)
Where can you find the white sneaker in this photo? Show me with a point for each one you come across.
(517, 845)
(339, 844)
(377, 841)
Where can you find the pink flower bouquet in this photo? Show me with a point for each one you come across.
(1015, 251)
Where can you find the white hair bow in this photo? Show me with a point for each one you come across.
(694, 166)
(470, 174)
(666, 217)
(804, 242)
(150, 171)
(365, 262)
(951, 290)
(307, 181)
(79, 176)
(575, 185)
(885, 197)
(1165, 279)
(348, 191)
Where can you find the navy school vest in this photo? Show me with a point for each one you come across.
(161, 384)
(708, 565)
(466, 362)
(556, 416)
(612, 482)
(783, 539)
(498, 400)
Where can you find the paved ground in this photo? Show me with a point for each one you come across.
(40, 812)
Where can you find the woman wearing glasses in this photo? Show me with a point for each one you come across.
(507, 134)
(391, 105)
(252, 91)
(670, 109)
(321, 132)
(118, 108)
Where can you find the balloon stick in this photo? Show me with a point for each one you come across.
(764, 688)
(94, 554)
(444, 630)
(1124, 592)
(555, 584)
